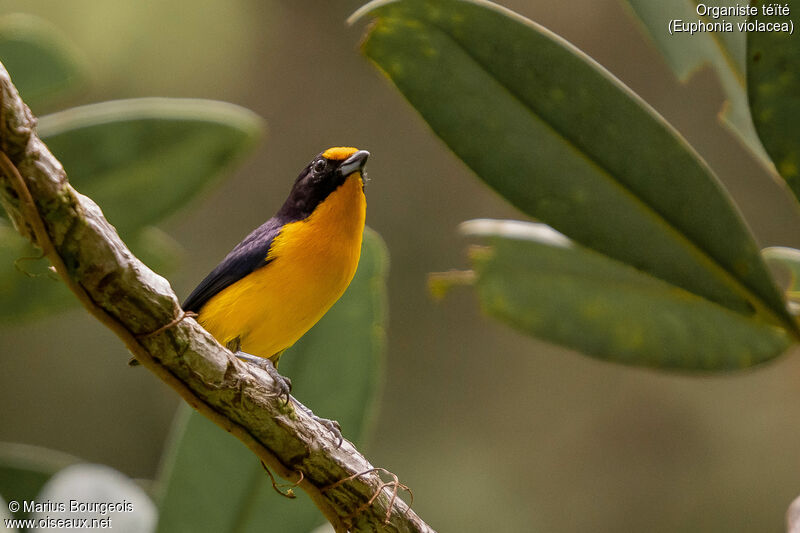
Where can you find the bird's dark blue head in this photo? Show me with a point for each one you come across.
(323, 175)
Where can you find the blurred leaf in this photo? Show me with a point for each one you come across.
(140, 160)
(208, 479)
(143, 159)
(90, 483)
(539, 282)
(685, 56)
(24, 470)
(686, 53)
(566, 142)
(5, 514)
(156, 249)
(773, 83)
(27, 288)
(212, 482)
(787, 259)
(43, 64)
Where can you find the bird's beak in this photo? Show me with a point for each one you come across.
(354, 163)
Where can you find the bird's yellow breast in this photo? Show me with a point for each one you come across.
(312, 262)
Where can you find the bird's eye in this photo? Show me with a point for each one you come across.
(319, 166)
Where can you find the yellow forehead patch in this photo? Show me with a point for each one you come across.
(338, 153)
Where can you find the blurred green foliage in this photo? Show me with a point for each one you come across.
(144, 159)
(140, 160)
(47, 67)
(773, 83)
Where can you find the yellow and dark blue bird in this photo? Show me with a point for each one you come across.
(283, 277)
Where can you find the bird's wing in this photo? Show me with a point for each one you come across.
(249, 255)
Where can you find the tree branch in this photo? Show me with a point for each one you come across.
(137, 304)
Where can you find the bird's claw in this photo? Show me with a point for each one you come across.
(283, 384)
(331, 425)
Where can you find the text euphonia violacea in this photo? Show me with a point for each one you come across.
(285, 275)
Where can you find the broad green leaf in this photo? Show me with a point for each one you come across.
(688, 52)
(212, 482)
(567, 143)
(773, 83)
(25, 469)
(539, 282)
(143, 159)
(43, 64)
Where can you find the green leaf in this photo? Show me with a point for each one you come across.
(773, 84)
(212, 482)
(25, 469)
(543, 284)
(27, 288)
(686, 53)
(567, 143)
(43, 64)
(143, 159)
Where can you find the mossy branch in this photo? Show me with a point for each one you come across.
(137, 304)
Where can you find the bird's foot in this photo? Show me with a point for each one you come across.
(331, 425)
(283, 383)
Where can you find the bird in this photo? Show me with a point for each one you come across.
(287, 273)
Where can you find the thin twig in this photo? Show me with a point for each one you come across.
(394, 484)
(183, 316)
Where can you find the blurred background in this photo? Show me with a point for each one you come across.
(492, 430)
